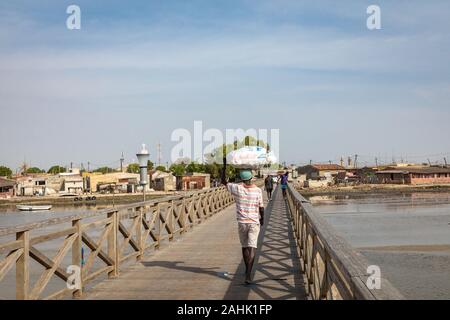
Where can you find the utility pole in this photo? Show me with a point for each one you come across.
(376, 162)
(121, 163)
(158, 148)
(445, 161)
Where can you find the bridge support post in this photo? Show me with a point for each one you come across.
(76, 255)
(23, 267)
(113, 252)
(139, 233)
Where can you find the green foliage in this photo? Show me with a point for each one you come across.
(150, 165)
(133, 168)
(5, 171)
(161, 168)
(56, 169)
(178, 169)
(104, 170)
(34, 170)
(195, 167)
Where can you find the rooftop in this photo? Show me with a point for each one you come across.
(424, 170)
(7, 182)
(328, 167)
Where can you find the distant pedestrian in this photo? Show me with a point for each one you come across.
(268, 185)
(284, 182)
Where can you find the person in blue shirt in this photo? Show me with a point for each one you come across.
(283, 182)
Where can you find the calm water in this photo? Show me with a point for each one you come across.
(407, 235)
(10, 216)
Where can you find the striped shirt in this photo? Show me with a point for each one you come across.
(248, 200)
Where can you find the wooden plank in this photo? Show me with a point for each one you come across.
(95, 274)
(128, 237)
(47, 274)
(53, 235)
(346, 264)
(94, 253)
(113, 251)
(68, 219)
(10, 246)
(93, 246)
(23, 266)
(9, 261)
(47, 263)
(95, 224)
(77, 246)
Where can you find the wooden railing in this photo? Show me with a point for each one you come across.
(333, 269)
(109, 238)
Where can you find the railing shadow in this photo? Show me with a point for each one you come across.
(177, 265)
(276, 260)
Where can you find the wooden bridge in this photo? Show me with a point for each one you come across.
(184, 247)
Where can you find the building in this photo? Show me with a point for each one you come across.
(415, 176)
(72, 184)
(193, 181)
(163, 181)
(7, 188)
(318, 171)
(121, 181)
(33, 185)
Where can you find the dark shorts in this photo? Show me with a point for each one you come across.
(284, 186)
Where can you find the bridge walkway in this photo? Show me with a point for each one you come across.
(206, 263)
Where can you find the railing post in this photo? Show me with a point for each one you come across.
(76, 255)
(23, 266)
(158, 222)
(113, 252)
(171, 223)
(139, 233)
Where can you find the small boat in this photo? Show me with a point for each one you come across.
(33, 208)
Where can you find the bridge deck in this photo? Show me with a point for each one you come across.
(206, 263)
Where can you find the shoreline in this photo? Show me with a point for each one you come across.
(100, 199)
(373, 189)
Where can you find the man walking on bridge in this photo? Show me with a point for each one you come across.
(250, 216)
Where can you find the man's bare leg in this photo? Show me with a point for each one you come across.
(249, 259)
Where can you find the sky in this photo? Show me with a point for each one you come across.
(138, 70)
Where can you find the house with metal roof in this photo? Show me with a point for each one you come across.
(415, 176)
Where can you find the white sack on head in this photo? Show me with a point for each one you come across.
(250, 157)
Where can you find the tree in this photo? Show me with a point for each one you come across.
(195, 167)
(161, 168)
(213, 169)
(178, 169)
(56, 169)
(150, 165)
(5, 172)
(103, 170)
(34, 170)
(133, 168)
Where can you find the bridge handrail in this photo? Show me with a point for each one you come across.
(53, 221)
(124, 233)
(333, 269)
